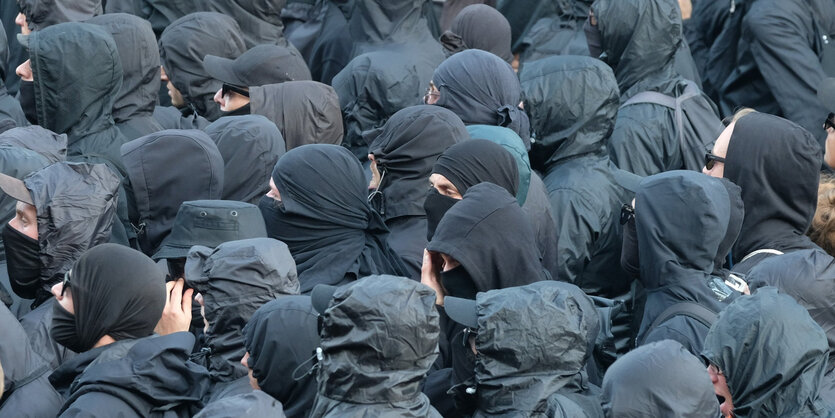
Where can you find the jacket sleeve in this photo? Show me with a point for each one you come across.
(98, 404)
(577, 226)
(642, 142)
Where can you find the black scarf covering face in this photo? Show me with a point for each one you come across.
(22, 257)
(325, 219)
(115, 291)
(27, 101)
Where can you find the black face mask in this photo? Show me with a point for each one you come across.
(629, 260)
(63, 329)
(22, 259)
(436, 205)
(27, 101)
(458, 283)
(593, 39)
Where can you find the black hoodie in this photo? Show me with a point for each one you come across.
(133, 110)
(42, 13)
(9, 107)
(260, 20)
(318, 29)
(376, 24)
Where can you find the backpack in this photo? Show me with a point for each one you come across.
(686, 308)
(696, 122)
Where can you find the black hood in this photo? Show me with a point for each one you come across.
(572, 103)
(476, 161)
(776, 163)
(490, 235)
(275, 359)
(235, 279)
(18, 163)
(260, 20)
(139, 55)
(42, 13)
(164, 170)
(532, 342)
(306, 112)
(250, 146)
(376, 23)
(182, 47)
(405, 149)
(69, 100)
(659, 380)
(48, 144)
(734, 227)
(479, 26)
(639, 41)
(754, 342)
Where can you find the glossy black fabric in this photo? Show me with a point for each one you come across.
(160, 13)
(325, 219)
(250, 146)
(481, 27)
(253, 404)
(318, 29)
(275, 359)
(476, 161)
(42, 13)
(10, 108)
(405, 150)
(376, 24)
(48, 144)
(260, 20)
(482, 89)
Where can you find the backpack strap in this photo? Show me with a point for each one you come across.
(762, 251)
(689, 309)
(652, 97)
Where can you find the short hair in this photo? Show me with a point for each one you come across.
(822, 230)
(739, 114)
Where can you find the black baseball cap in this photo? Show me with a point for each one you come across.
(321, 297)
(261, 65)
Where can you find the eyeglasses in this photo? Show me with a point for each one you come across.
(228, 87)
(627, 213)
(829, 122)
(711, 160)
(432, 94)
(66, 283)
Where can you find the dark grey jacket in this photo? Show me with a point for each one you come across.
(9, 107)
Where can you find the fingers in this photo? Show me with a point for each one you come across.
(177, 293)
(188, 296)
(168, 287)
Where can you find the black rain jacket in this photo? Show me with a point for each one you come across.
(42, 13)
(9, 107)
(259, 20)
(319, 30)
(253, 404)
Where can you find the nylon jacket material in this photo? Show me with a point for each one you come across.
(532, 343)
(254, 404)
(379, 339)
(42, 13)
(306, 112)
(481, 27)
(755, 344)
(165, 169)
(260, 20)
(37, 324)
(572, 129)
(9, 107)
(250, 146)
(376, 24)
(557, 34)
(235, 279)
(78, 103)
(661, 379)
(182, 47)
(48, 144)
(139, 55)
(319, 30)
(25, 374)
(523, 14)
(159, 12)
(154, 377)
(169, 117)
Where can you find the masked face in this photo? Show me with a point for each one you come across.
(27, 101)
(458, 283)
(22, 255)
(64, 329)
(436, 205)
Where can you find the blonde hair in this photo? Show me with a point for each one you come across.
(822, 230)
(740, 113)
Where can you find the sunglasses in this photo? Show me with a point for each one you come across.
(711, 160)
(829, 122)
(230, 88)
(66, 283)
(627, 213)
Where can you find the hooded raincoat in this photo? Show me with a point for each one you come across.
(318, 29)
(380, 24)
(42, 13)
(260, 20)
(482, 27)
(253, 404)
(10, 109)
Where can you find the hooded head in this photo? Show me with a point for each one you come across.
(479, 160)
(235, 279)
(306, 112)
(479, 26)
(660, 379)
(42, 13)
(48, 144)
(69, 100)
(777, 164)
(387, 21)
(258, 66)
(639, 39)
(404, 151)
(569, 122)
(182, 47)
(737, 215)
(482, 89)
(260, 20)
(771, 353)
(250, 146)
(139, 56)
(18, 163)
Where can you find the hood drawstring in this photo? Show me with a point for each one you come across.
(315, 361)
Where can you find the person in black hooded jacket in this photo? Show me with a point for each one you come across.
(9, 107)
(41, 14)
(318, 29)
(481, 27)
(260, 20)
(324, 217)
(394, 25)
(133, 110)
(160, 13)
(402, 154)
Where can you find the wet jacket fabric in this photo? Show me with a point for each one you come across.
(235, 279)
(405, 149)
(160, 13)
(572, 130)
(377, 24)
(260, 20)
(27, 392)
(557, 33)
(452, 8)
(639, 41)
(165, 169)
(253, 404)
(661, 379)
(42, 13)
(138, 52)
(754, 344)
(676, 267)
(325, 219)
(481, 27)
(778, 208)
(379, 338)
(147, 377)
(318, 29)
(275, 359)
(9, 107)
(182, 47)
(250, 146)
(78, 103)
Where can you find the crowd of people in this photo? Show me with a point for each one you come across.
(417, 208)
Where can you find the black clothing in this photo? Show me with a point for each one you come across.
(658, 380)
(378, 24)
(306, 112)
(159, 12)
(778, 207)
(133, 110)
(235, 279)
(755, 345)
(250, 146)
(274, 358)
(379, 338)
(584, 187)
(482, 89)
(40, 14)
(253, 404)
(260, 20)
(51, 146)
(476, 161)
(182, 47)
(405, 150)
(260, 65)
(325, 219)
(9, 107)
(320, 32)
(452, 8)
(481, 27)
(560, 32)
(165, 169)
(170, 117)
